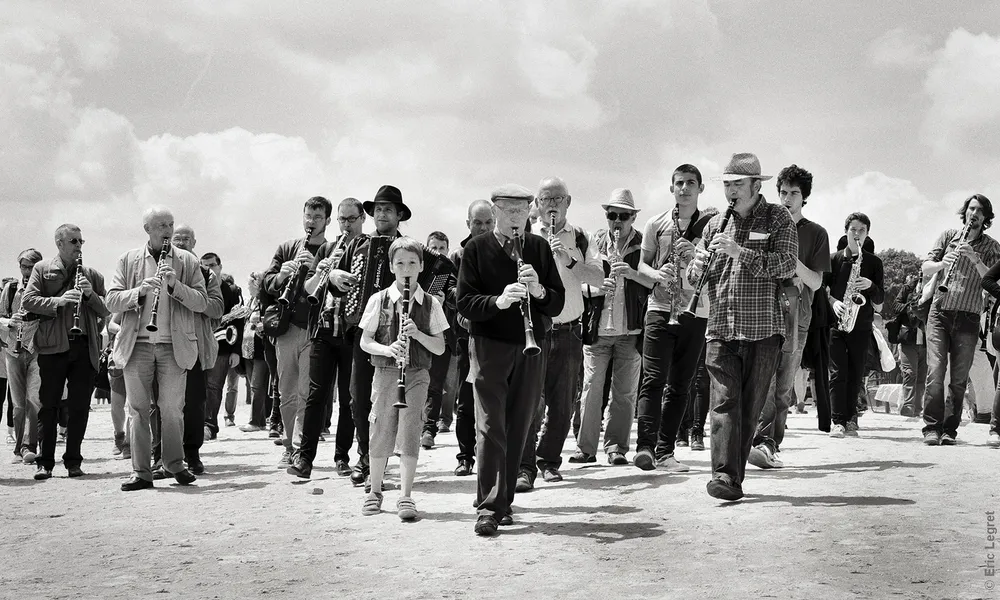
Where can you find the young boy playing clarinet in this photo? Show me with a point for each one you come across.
(420, 335)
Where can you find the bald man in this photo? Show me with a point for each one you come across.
(60, 288)
(159, 276)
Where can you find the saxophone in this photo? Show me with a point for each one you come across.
(853, 300)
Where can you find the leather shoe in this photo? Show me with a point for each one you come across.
(617, 459)
(184, 477)
(300, 468)
(723, 490)
(551, 474)
(136, 483)
(343, 469)
(486, 525)
(75, 471)
(506, 520)
(525, 482)
(359, 474)
(159, 473)
(464, 468)
(196, 466)
(42, 473)
(582, 457)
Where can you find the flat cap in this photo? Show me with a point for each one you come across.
(512, 191)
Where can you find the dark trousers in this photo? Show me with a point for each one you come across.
(553, 412)
(10, 402)
(848, 356)
(952, 339)
(670, 353)
(257, 378)
(71, 369)
(741, 373)
(465, 407)
(913, 368)
(194, 416)
(506, 385)
(699, 398)
(362, 373)
(215, 383)
(328, 360)
(439, 376)
(272, 407)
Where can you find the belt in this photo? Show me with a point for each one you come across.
(567, 325)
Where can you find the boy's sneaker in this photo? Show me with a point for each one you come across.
(838, 431)
(372, 505)
(947, 439)
(931, 438)
(671, 465)
(994, 440)
(762, 458)
(285, 460)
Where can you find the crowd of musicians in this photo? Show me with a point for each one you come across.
(698, 316)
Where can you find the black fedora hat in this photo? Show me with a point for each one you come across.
(391, 195)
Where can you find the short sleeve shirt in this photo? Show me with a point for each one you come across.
(370, 318)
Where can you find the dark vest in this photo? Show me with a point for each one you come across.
(388, 331)
(636, 294)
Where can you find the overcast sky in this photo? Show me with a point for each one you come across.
(233, 113)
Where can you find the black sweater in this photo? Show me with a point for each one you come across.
(840, 273)
(487, 269)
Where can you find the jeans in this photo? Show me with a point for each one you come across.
(952, 339)
(23, 382)
(670, 353)
(149, 362)
(71, 369)
(622, 351)
(328, 361)
(780, 395)
(465, 408)
(435, 391)
(293, 382)
(553, 412)
(848, 357)
(232, 390)
(741, 374)
(913, 367)
(257, 378)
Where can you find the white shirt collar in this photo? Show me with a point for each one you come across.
(416, 293)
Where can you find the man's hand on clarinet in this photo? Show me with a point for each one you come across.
(513, 293)
(342, 280)
(724, 243)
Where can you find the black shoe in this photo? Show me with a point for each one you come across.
(196, 466)
(159, 473)
(279, 442)
(273, 433)
(645, 460)
(136, 483)
(75, 471)
(184, 477)
(723, 490)
(486, 525)
(343, 469)
(359, 474)
(947, 439)
(42, 473)
(506, 521)
(697, 442)
(300, 468)
(464, 468)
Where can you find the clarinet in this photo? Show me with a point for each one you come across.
(693, 304)
(156, 291)
(295, 281)
(19, 342)
(530, 346)
(614, 255)
(75, 330)
(403, 362)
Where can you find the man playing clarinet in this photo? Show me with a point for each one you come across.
(501, 273)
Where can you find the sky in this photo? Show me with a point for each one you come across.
(232, 113)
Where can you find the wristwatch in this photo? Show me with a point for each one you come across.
(572, 263)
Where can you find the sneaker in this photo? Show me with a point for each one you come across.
(464, 468)
(994, 440)
(681, 443)
(723, 490)
(947, 439)
(443, 427)
(671, 465)
(273, 433)
(286, 459)
(552, 474)
(42, 473)
(644, 459)
(117, 451)
(250, 428)
(126, 452)
(62, 434)
(931, 438)
(525, 483)
(697, 442)
(208, 434)
(372, 505)
(838, 431)
(762, 458)
(427, 441)
(582, 457)
(10, 436)
(230, 422)
(406, 509)
(851, 430)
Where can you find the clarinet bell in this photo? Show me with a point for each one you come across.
(530, 347)
(400, 397)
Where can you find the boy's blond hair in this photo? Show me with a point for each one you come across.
(406, 243)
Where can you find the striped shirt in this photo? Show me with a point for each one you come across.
(965, 284)
(743, 292)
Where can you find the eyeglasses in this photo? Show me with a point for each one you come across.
(352, 220)
(553, 201)
(76, 241)
(613, 216)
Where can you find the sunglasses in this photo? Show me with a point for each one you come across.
(76, 241)
(613, 216)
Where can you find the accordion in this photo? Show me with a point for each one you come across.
(370, 264)
(439, 275)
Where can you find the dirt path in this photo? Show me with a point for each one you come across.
(878, 517)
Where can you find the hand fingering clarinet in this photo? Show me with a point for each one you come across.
(530, 346)
(404, 361)
(693, 304)
(614, 256)
(156, 291)
(75, 330)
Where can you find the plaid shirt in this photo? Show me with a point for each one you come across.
(965, 292)
(743, 293)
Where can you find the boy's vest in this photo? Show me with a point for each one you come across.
(388, 331)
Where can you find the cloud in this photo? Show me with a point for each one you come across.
(963, 85)
(901, 47)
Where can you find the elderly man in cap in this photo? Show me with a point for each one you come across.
(501, 272)
(624, 291)
(744, 257)
(577, 262)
